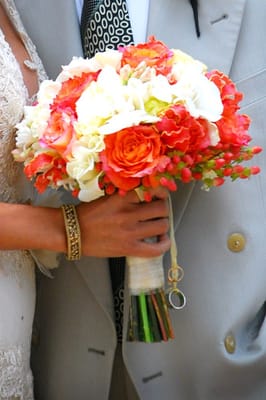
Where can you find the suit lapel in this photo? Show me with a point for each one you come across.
(220, 22)
(95, 272)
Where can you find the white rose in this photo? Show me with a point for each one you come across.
(160, 88)
(200, 96)
(85, 153)
(109, 57)
(76, 67)
(102, 99)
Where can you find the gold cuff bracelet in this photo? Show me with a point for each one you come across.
(72, 232)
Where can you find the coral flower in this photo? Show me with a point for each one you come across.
(60, 132)
(154, 53)
(72, 89)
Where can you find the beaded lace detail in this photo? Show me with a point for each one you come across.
(15, 379)
(13, 97)
(15, 374)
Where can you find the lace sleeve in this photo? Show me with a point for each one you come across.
(46, 259)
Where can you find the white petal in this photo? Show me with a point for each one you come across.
(91, 191)
(213, 134)
(201, 97)
(125, 120)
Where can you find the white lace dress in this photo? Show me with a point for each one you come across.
(17, 277)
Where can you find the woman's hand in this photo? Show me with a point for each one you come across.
(114, 226)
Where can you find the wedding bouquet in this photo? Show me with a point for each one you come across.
(136, 118)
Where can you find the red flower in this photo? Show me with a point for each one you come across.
(233, 130)
(229, 95)
(41, 163)
(174, 127)
(180, 131)
(47, 168)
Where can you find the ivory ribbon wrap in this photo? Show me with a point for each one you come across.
(145, 274)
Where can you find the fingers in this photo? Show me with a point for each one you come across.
(150, 249)
(142, 210)
(138, 195)
(152, 228)
(153, 210)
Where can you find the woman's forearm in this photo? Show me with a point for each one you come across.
(29, 227)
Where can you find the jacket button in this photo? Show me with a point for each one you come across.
(236, 242)
(230, 343)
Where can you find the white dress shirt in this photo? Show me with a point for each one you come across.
(138, 12)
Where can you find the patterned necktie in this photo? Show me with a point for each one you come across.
(105, 24)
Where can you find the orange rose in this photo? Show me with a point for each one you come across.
(131, 154)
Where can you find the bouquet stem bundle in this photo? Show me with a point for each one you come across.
(149, 318)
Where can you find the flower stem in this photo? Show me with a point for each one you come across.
(144, 318)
